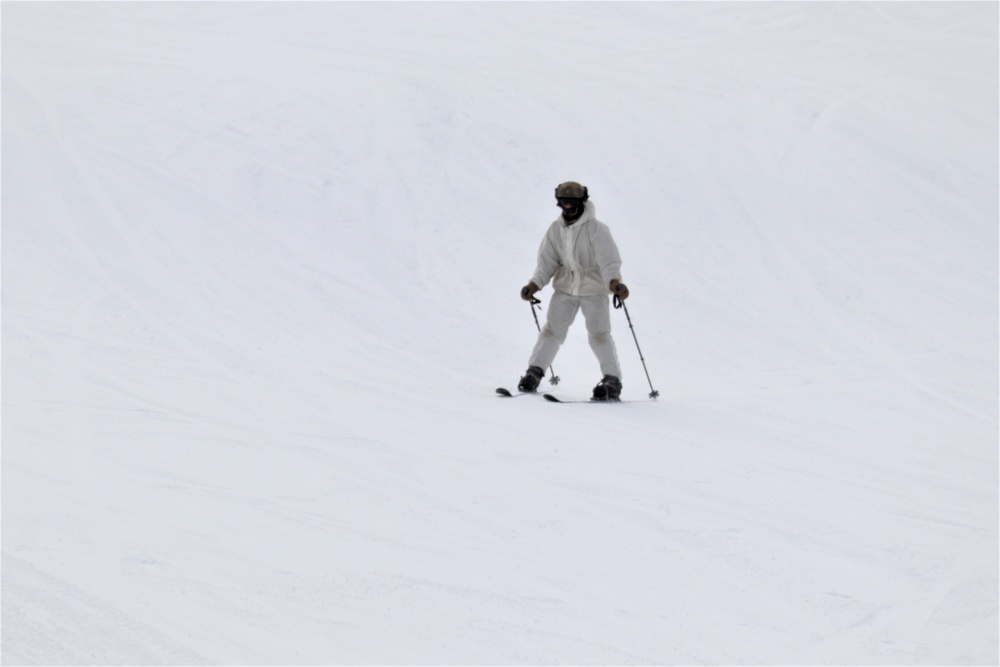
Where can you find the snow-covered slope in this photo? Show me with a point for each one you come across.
(260, 273)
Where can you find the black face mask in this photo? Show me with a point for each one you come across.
(572, 213)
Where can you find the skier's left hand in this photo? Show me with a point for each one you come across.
(619, 289)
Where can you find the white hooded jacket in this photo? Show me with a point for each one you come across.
(582, 257)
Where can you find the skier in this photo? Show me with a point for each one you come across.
(579, 253)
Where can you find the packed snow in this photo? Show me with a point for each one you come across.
(261, 265)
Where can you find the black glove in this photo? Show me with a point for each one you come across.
(619, 289)
(529, 290)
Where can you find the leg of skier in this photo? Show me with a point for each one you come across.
(597, 313)
(561, 313)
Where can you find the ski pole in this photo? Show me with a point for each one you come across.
(553, 378)
(620, 303)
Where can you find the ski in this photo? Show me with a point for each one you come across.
(555, 399)
(505, 393)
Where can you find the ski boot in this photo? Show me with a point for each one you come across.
(532, 378)
(608, 389)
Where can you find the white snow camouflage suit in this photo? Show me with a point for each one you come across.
(581, 259)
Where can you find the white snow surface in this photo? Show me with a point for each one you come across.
(261, 265)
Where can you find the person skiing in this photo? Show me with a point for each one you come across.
(580, 257)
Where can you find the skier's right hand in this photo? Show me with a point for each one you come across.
(529, 290)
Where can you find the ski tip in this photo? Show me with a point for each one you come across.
(550, 397)
(503, 392)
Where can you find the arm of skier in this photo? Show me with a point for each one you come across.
(609, 261)
(548, 262)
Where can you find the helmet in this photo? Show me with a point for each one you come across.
(571, 190)
(570, 197)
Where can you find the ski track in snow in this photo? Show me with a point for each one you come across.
(260, 267)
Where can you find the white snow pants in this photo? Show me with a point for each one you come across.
(562, 311)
